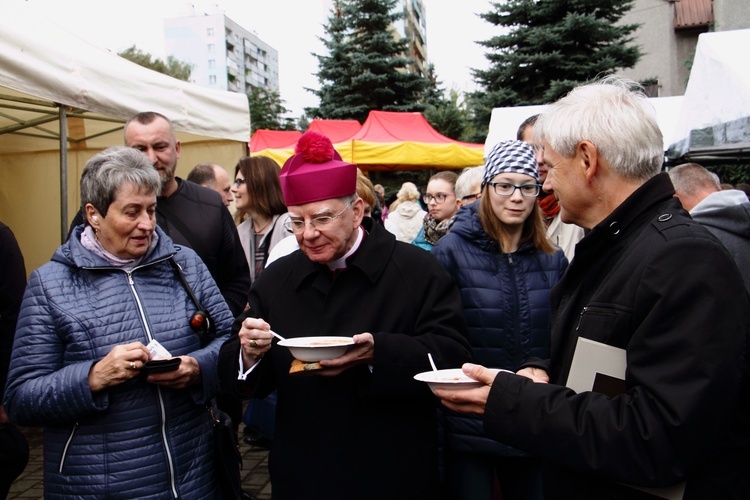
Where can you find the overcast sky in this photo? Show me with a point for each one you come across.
(290, 26)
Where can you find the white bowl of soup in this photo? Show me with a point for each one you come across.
(452, 379)
(313, 349)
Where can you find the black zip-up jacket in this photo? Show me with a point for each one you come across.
(649, 280)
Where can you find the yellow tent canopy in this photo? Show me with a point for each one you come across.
(390, 140)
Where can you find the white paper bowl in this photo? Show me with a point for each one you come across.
(312, 349)
(451, 379)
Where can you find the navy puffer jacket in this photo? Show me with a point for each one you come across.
(133, 440)
(506, 305)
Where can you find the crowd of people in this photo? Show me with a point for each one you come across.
(601, 303)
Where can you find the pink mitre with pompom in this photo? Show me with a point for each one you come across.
(316, 172)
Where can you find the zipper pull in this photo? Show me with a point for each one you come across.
(580, 318)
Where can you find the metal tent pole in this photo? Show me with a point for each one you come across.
(63, 173)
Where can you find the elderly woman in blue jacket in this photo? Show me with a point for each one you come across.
(504, 265)
(90, 319)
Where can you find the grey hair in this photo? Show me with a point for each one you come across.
(615, 115)
(691, 178)
(105, 174)
(469, 178)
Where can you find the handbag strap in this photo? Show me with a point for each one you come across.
(200, 309)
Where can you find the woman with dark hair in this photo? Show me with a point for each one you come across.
(260, 206)
(111, 300)
(504, 264)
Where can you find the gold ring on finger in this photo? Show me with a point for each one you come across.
(253, 344)
(132, 365)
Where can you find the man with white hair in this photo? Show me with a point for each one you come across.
(649, 288)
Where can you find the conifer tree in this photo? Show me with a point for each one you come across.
(547, 48)
(334, 70)
(366, 68)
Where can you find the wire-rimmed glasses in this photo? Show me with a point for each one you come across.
(297, 226)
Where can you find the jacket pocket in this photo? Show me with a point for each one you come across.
(605, 323)
(67, 446)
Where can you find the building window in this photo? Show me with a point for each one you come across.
(209, 32)
(211, 63)
(210, 48)
(212, 79)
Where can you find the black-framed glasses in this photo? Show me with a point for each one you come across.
(298, 226)
(239, 181)
(439, 198)
(507, 189)
(471, 197)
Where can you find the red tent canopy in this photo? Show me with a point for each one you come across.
(273, 139)
(393, 126)
(336, 130)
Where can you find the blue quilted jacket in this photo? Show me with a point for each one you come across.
(506, 305)
(133, 440)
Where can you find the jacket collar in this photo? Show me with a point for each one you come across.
(631, 211)
(73, 253)
(371, 258)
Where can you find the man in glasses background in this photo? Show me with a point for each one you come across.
(359, 426)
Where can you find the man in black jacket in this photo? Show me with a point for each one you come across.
(650, 290)
(192, 215)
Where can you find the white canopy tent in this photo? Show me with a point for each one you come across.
(714, 126)
(63, 100)
(504, 122)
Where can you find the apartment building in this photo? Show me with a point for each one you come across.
(413, 27)
(223, 54)
(668, 35)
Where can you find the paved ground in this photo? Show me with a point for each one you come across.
(30, 485)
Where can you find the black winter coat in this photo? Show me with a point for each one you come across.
(367, 433)
(649, 280)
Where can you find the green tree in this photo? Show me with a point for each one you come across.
(267, 110)
(546, 47)
(172, 67)
(366, 68)
(334, 70)
(448, 117)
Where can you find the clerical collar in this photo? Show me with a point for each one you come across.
(341, 263)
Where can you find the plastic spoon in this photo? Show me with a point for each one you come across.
(276, 335)
(432, 362)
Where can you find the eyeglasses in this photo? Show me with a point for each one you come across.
(298, 226)
(471, 197)
(439, 198)
(239, 181)
(507, 189)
